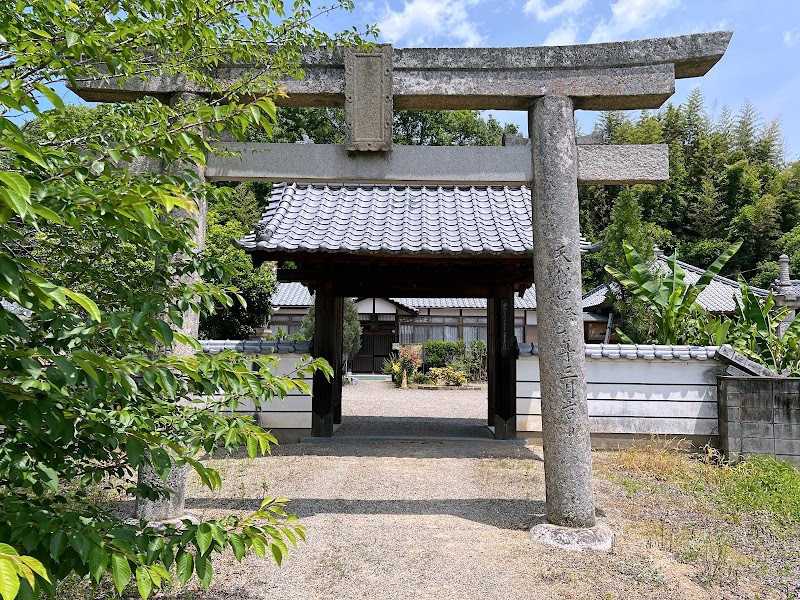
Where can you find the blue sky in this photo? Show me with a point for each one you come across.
(762, 63)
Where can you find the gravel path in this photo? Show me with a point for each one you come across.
(377, 408)
(416, 519)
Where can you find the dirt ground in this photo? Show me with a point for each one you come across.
(451, 519)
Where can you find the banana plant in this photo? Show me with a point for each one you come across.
(756, 333)
(669, 297)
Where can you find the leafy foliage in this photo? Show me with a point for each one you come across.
(402, 366)
(448, 376)
(437, 353)
(99, 380)
(669, 299)
(756, 333)
(255, 285)
(728, 182)
(351, 340)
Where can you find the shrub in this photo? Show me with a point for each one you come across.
(422, 379)
(476, 360)
(447, 376)
(439, 354)
(406, 361)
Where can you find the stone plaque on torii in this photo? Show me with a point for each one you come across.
(550, 83)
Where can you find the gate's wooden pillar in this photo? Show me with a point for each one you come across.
(491, 372)
(338, 365)
(502, 363)
(327, 321)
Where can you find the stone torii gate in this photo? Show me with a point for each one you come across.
(550, 83)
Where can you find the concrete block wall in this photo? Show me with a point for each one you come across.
(634, 391)
(760, 415)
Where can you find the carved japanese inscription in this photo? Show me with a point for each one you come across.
(368, 99)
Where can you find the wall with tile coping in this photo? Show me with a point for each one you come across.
(634, 390)
(294, 411)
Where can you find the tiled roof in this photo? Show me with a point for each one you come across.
(292, 294)
(634, 351)
(296, 294)
(718, 296)
(256, 346)
(16, 309)
(399, 220)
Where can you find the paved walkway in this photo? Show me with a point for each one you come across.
(415, 519)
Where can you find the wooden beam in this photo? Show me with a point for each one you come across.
(431, 165)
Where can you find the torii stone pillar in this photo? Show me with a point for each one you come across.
(173, 508)
(557, 269)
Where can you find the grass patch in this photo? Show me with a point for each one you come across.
(761, 484)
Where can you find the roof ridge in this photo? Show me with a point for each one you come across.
(722, 278)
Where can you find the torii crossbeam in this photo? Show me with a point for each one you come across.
(548, 82)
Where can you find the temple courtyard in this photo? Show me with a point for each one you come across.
(438, 518)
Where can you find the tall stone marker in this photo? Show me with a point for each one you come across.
(548, 82)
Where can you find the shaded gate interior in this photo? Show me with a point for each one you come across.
(376, 344)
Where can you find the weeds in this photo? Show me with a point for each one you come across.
(761, 484)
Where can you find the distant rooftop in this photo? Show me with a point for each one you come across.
(290, 295)
(718, 296)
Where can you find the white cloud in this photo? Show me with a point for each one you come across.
(544, 12)
(790, 38)
(422, 20)
(564, 35)
(629, 15)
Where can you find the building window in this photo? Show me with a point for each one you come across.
(290, 324)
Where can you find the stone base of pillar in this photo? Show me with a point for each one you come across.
(505, 429)
(164, 511)
(600, 537)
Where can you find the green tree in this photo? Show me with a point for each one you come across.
(87, 393)
(448, 128)
(254, 284)
(351, 338)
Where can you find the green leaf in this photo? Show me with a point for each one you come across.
(16, 193)
(86, 303)
(58, 543)
(238, 546)
(143, 582)
(203, 537)
(277, 554)
(204, 570)
(98, 561)
(135, 451)
(184, 566)
(9, 579)
(161, 462)
(48, 93)
(121, 571)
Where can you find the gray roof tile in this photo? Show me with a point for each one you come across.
(383, 219)
(296, 294)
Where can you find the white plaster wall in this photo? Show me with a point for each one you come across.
(384, 308)
(293, 412)
(633, 396)
(364, 306)
(530, 317)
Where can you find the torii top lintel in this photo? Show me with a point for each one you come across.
(370, 85)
